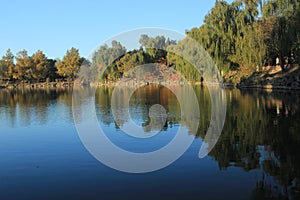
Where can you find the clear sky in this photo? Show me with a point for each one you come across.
(57, 25)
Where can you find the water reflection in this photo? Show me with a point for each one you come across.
(261, 130)
(139, 105)
(145, 97)
(32, 105)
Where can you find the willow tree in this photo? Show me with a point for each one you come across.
(250, 49)
(232, 35)
(217, 35)
(190, 59)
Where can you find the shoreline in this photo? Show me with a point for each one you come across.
(269, 87)
(270, 79)
(68, 85)
(273, 78)
(50, 85)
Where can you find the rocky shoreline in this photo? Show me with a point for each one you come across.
(49, 85)
(273, 78)
(270, 78)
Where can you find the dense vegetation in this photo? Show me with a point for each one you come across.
(247, 34)
(241, 37)
(36, 68)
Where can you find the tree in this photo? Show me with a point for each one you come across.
(69, 66)
(24, 66)
(104, 58)
(7, 66)
(232, 35)
(130, 60)
(156, 46)
(106, 55)
(282, 32)
(190, 50)
(52, 70)
(3, 70)
(40, 65)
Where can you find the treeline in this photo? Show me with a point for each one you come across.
(240, 37)
(37, 67)
(117, 61)
(248, 34)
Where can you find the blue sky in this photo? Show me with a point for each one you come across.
(55, 26)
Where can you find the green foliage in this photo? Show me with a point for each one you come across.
(238, 37)
(24, 66)
(7, 66)
(33, 68)
(103, 60)
(51, 70)
(232, 36)
(69, 66)
(281, 27)
(88, 73)
(3, 70)
(40, 65)
(155, 47)
(190, 50)
(105, 55)
(241, 37)
(130, 60)
(117, 62)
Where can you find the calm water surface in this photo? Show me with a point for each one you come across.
(256, 156)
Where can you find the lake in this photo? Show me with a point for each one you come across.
(256, 156)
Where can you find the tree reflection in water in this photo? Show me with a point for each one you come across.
(261, 130)
(32, 105)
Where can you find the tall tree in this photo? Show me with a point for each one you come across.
(7, 65)
(3, 70)
(189, 49)
(281, 27)
(24, 66)
(155, 46)
(52, 70)
(106, 55)
(104, 58)
(40, 65)
(232, 35)
(68, 67)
